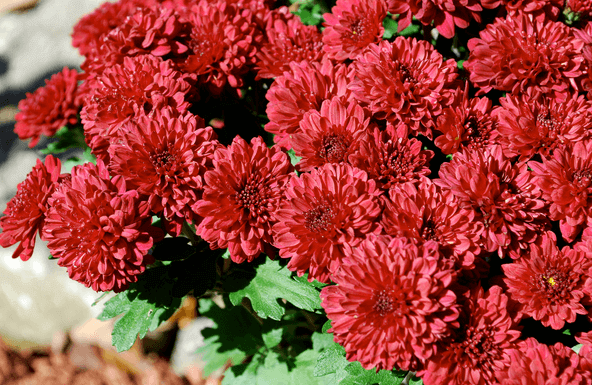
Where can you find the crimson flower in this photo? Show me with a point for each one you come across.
(530, 125)
(287, 40)
(550, 283)
(480, 347)
(467, 123)
(445, 15)
(329, 135)
(95, 229)
(242, 193)
(540, 9)
(393, 304)
(504, 196)
(425, 212)
(534, 363)
(140, 84)
(164, 157)
(351, 26)
(49, 108)
(518, 53)
(565, 179)
(300, 90)
(24, 216)
(404, 81)
(325, 212)
(390, 157)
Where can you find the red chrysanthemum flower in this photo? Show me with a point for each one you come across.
(158, 31)
(390, 157)
(404, 81)
(540, 9)
(49, 108)
(141, 84)
(550, 283)
(302, 89)
(331, 135)
(241, 195)
(90, 29)
(332, 208)
(445, 15)
(287, 40)
(391, 307)
(505, 198)
(425, 213)
(351, 26)
(222, 44)
(467, 123)
(517, 53)
(164, 157)
(578, 10)
(565, 179)
(24, 216)
(584, 36)
(530, 125)
(480, 347)
(534, 363)
(94, 228)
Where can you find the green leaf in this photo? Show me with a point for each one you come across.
(410, 30)
(146, 304)
(86, 157)
(322, 341)
(293, 158)
(311, 12)
(67, 137)
(313, 283)
(235, 336)
(460, 64)
(330, 361)
(390, 27)
(577, 348)
(357, 375)
(271, 283)
(273, 338)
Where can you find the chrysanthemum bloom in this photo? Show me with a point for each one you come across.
(241, 195)
(534, 363)
(404, 81)
(222, 44)
(540, 9)
(530, 125)
(141, 84)
(24, 216)
(90, 29)
(550, 283)
(287, 40)
(390, 157)
(390, 308)
(332, 208)
(467, 123)
(94, 228)
(351, 26)
(584, 36)
(506, 200)
(425, 213)
(158, 31)
(331, 135)
(480, 347)
(445, 15)
(565, 179)
(164, 157)
(517, 53)
(49, 108)
(580, 9)
(302, 89)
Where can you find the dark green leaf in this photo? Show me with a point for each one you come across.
(357, 375)
(146, 304)
(235, 336)
(293, 158)
(390, 27)
(273, 338)
(314, 283)
(331, 360)
(411, 30)
(67, 137)
(271, 283)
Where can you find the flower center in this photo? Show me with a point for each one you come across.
(405, 74)
(253, 197)
(383, 302)
(582, 178)
(428, 231)
(478, 346)
(361, 30)
(553, 283)
(319, 219)
(476, 132)
(163, 161)
(333, 148)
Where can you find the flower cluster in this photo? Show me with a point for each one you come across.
(443, 217)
